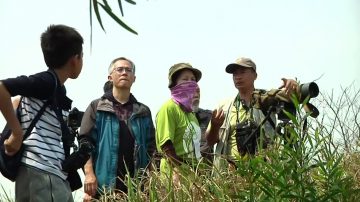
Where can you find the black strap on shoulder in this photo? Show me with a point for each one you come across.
(36, 119)
(66, 136)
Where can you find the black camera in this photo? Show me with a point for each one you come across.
(307, 90)
(78, 158)
(74, 118)
(276, 100)
(85, 146)
(247, 134)
(73, 123)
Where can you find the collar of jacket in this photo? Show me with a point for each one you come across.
(139, 109)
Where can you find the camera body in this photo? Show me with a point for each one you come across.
(73, 123)
(247, 134)
(85, 146)
(79, 157)
(74, 118)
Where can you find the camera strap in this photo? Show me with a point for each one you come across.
(248, 109)
(65, 136)
(267, 116)
(65, 132)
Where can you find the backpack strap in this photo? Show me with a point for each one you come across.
(7, 131)
(36, 119)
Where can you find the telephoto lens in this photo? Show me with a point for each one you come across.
(308, 89)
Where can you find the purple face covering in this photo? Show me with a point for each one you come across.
(183, 94)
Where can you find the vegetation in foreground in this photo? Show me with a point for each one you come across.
(319, 162)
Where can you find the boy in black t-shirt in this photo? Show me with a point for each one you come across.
(40, 177)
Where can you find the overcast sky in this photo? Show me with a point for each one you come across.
(302, 39)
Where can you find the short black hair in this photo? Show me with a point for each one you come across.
(59, 43)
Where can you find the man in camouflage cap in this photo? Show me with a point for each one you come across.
(235, 112)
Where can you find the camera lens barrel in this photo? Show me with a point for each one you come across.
(309, 89)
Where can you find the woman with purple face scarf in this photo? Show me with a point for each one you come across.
(178, 132)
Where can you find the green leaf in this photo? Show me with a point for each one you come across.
(131, 2)
(336, 170)
(121, 9)
(120, 22)
(267, 190)
(106, 4)
(330, 196)
(295, 101)
(96, 10)
(292, 117)
(91, 30)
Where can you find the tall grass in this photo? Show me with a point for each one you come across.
(303, 165)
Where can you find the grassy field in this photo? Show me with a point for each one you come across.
(319, 162)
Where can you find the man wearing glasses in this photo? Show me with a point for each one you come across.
(123, 132)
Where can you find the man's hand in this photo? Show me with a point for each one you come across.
(289, 86)
(87, 198)
(90, 184)
(13, 143)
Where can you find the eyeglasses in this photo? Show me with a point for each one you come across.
(122, 69)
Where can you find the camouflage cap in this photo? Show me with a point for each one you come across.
(240, 62)
(180, 66)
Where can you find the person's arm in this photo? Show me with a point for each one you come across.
(90, 182)
(89, 118)
(169, 151)
(16, 101)
(212, 133)
(13, 143)
(86, 128)
(166, 124)
(40, 86)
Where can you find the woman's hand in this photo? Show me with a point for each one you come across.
(217, 118)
